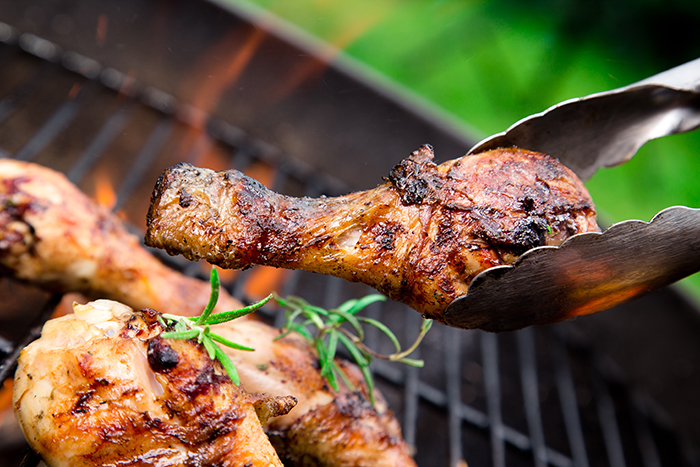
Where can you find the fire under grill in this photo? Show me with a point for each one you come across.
(538, 397)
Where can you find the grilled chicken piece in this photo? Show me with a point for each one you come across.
(47, 226)
(420, 238)
(54, 236)
(325, 428)
(102, 388)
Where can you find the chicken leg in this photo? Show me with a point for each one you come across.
(420, 238)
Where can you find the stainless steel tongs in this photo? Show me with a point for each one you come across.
(591, 272)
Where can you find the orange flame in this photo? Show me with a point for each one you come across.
(263, 280)
(227, 276)
(262, 172)
(105, 194)
(216, 76)
(6, 414)
(314, 67)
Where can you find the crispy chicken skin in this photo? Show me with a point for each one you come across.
(420, 238)
(325, 428)
(54, 236)
(102, 388)
(47, 225)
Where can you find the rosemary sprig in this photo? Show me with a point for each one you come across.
(198, 327)
(325, 329)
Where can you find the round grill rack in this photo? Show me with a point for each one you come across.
(537, 397)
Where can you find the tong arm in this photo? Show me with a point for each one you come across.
(589, 272)
(608, 128)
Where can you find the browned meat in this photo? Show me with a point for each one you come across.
(420, 238)
(102, 388)
(325, 428)
(48, 228)
(52, 235)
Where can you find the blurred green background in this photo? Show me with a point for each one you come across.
(491, 63)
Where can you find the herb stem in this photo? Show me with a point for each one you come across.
(327, 331)
(199, 327)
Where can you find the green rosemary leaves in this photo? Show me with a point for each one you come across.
(198, 327)
(325, 330)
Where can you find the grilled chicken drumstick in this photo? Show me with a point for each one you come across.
(102, 388)
(54, 236)
(47, 227)
(420, 238)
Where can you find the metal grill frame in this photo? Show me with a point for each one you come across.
(529, 446)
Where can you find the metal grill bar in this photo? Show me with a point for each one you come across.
(9, 103)
(8, 363)
(6, 346)
(558, 459)
(453, 362)
(373, 311)
(111, 128)
(144, 159)
(645, 440)
(489, 349)
(438, 398)
(30, 459)
(569, 406)
(526, 346)
(608, 421)
(412, 384)
(331, 292)
(8, 35)
(58, 121)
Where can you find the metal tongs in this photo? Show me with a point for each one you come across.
(592, 272)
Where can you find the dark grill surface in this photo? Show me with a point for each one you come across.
(537, 397)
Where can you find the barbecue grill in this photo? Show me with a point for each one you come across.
(542, 396)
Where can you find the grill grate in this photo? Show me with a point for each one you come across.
(531, 398)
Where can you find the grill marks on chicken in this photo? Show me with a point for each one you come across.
(420, 238)
(54, 236)
(100, 387)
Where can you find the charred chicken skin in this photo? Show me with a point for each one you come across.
(420, 238)
(102, 388)
(47, 227)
